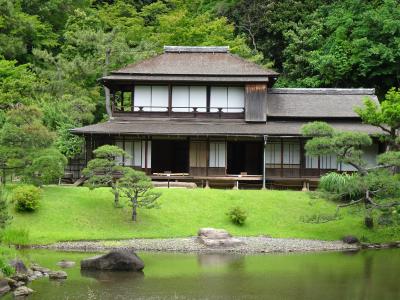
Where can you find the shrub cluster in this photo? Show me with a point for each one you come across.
(26, 198)
(237, 215)
(343, 186)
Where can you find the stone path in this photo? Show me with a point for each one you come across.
(191, 244)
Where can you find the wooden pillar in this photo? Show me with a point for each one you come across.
(264, 161)
(108, 101)
(169, 99)
(145, 156)
(282, 158)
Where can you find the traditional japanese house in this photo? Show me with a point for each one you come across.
(203, 114)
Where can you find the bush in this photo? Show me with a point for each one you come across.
(342, 186)
(237, 215)
(26, 198)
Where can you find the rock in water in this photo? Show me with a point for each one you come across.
(114, 261)
(215, 238)
(22, 291)
(57, 275)
(66, 264)
(18, 266)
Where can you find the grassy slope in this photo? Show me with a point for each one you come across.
(68, 213)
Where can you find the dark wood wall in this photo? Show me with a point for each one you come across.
(255, 102)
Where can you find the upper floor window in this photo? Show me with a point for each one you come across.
(150, 98)
(227, 98)
(188, 98)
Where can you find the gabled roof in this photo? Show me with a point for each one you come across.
(193, 63)
(316, 103)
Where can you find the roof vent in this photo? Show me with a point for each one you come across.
(196, 49)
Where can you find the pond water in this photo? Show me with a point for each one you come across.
(362, 275)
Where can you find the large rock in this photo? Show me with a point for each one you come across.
(212, 233)
(115, 261)
(21, 277)
(18, 266)
(22, 291)
(217, 238)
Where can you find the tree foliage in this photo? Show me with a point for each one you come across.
(104, 169)
(137, 187)
(26, 147)
(373, 186)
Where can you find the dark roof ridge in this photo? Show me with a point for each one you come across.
(196, 49)
(323, 91)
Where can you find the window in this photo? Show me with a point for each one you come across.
(151, 98)
(291, 153)
(230, 99)
(273, 155)
(326, 162)
(217, 154)
(185, 98)
(135, 151)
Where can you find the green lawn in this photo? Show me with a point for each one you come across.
(69, 213)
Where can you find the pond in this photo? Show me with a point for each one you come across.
(362, 275)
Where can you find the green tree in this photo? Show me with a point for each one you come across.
(385, 116)
(17, 84)
(23, 141)
(373, 186)
(137, 187)
(350, 43)
(104, 169)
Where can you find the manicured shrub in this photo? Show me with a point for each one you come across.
(342, 186)
(26, 198)
(237, 215)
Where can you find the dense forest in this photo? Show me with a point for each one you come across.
(53, 51)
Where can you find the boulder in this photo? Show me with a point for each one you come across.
(4, 286)
(22, 291)
(115, 261)
(57, 275)
(212, 233)
(216, 238)
(18, 266)
(350, 239)
(66, 264)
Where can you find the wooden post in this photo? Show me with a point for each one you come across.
(264, 162)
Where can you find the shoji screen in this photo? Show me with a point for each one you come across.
(235, 99)
(217, 154)
(198, 97)
(218, 98)
(159, 98)
(142, 97)
(180, 98)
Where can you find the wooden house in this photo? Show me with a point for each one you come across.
(203, 114)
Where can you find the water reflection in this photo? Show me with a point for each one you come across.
(113, 277)
(362, 275)
(220, 259)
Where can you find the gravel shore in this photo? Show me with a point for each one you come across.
(191, 244)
